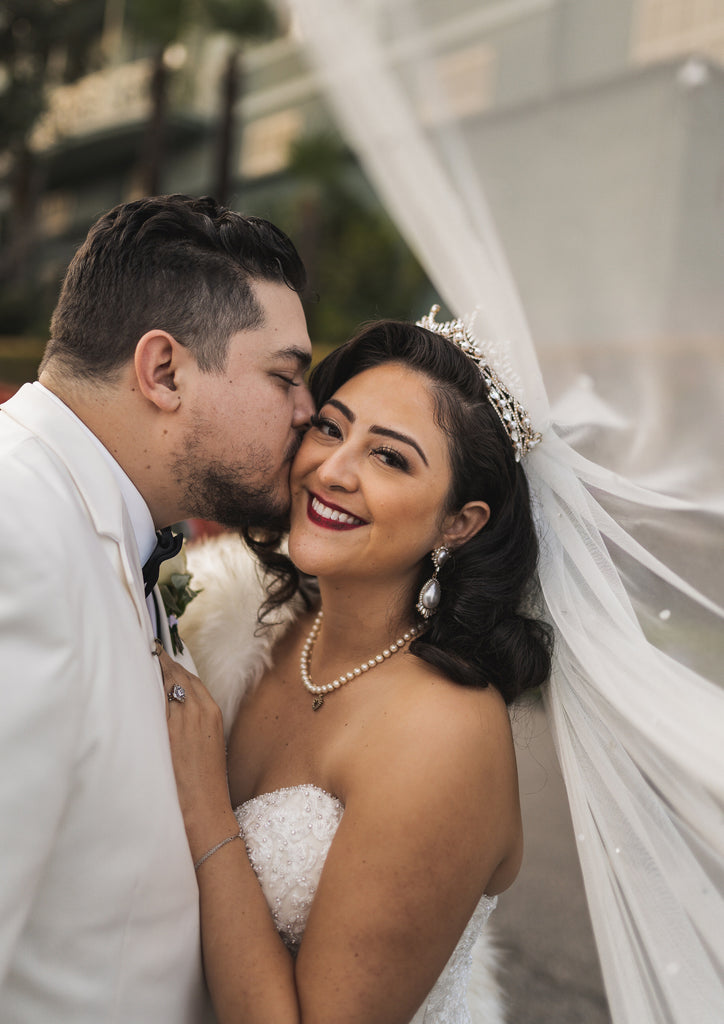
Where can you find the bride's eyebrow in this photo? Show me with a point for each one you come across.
(345, 410)
(383, 431)
(386, 432)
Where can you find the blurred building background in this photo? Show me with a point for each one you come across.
(597, 123)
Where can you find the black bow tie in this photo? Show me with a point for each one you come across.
(168, 544)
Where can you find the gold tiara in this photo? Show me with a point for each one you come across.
(512, 415)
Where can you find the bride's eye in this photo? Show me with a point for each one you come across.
(391, 457)
(325, 426)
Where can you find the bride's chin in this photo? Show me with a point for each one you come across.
(311, 556)
(300, 554)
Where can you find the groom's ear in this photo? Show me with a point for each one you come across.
(156, 362)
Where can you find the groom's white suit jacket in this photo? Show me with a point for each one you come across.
(98, 898)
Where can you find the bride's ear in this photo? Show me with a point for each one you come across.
(461, 526)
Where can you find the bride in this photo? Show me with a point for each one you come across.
(371, 772)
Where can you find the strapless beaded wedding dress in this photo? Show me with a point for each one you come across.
(288, 834)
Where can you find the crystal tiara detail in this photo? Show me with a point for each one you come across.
(512, 415)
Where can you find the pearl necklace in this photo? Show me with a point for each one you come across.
(346, 677)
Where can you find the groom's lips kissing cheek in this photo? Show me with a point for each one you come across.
(331, 517)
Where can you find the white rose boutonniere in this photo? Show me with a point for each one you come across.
(173, 582)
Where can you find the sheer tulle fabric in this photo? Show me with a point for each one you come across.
(634, 701)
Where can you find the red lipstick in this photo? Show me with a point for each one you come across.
(317, 516)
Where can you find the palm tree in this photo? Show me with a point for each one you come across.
(164, 22)
(157, 24)
(245, 20)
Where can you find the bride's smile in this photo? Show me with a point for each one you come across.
(332, 517)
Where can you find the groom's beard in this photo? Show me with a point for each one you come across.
(248, 494)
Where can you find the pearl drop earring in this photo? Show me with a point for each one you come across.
(431, 593)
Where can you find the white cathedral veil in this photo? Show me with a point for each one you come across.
(634, 706)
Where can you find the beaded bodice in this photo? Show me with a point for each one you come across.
(288, 834)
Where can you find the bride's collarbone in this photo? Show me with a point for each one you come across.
(278, 739)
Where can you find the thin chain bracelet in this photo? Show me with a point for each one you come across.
(229, 839)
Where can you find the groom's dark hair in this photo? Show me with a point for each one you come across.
(176, 263)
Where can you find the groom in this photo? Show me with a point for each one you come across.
(172, 387)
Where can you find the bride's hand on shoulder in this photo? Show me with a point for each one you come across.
(196, 733)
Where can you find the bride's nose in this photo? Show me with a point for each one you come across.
(339, 469)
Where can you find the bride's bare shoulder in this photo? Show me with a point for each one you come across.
(433, 702)
(428, 728)
(444, 753)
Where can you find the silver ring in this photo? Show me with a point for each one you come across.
(177, 693)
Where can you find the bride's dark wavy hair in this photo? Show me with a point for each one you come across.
(483, 632)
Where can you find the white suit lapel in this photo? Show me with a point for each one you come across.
(94, 481)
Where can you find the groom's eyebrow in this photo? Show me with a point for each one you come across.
(383, 431)
(293, 354)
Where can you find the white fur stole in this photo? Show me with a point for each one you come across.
(220, 626)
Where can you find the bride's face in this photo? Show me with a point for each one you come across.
(370, 481)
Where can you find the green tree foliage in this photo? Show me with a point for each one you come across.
(247, 19)
(359, 266)
(30, 30)
(41, 42)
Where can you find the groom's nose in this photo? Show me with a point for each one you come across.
(303, 407)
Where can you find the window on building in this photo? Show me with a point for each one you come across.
(467, 78)
(671, 28)
(267, 143)
(56, 213)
